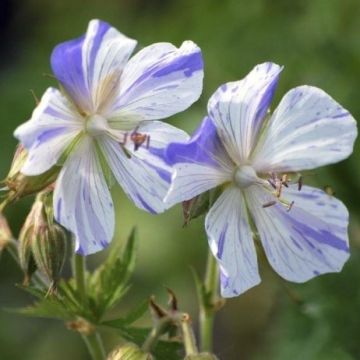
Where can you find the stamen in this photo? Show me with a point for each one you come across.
(138, 139)
(272, 183)
(268, 204)
(290, 206)
(300, 183)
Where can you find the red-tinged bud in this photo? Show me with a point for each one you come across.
(129, 351)
(20, 185)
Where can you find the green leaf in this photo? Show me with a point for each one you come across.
(164, 350)
(200, 204)
(202, 294)
(109, 283)
(48, 307)
(131, 317)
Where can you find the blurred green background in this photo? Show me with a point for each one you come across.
(318, 42)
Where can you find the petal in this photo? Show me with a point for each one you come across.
(309, 240)
(159, 135)
(53, 126)
(239, 108)
(82, 200)
(200, 164)
(308, 129)
(89, 67)
(144, 181)
(159, 81)
(232, 244)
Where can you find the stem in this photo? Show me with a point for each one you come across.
(79, 275)
(208, 308)
(95, 346)
(155, 333)
(188, 336)
(93, 341)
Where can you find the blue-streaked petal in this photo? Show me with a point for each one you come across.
(159, 81)
(82, 200)
(200, 164)
(144, 178)
(309, 240)
(231, 241)
(308, 129)
(238, 109)
(53, 125)
(89, 67)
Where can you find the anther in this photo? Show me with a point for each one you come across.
(290, 206)
(300, 183)
(138, 139)
(268, 204)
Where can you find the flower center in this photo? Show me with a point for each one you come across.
(245, 176)
(96, 125)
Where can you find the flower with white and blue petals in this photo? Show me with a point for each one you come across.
(257, 158)
(100, 124)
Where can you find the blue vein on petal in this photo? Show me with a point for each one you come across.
(100, 33)
(66, 63)
(49, 134)
(145, 204)
(200, 149)
(188, 64)
(221, 241)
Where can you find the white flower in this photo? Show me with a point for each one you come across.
(100, 124)
(303, 230)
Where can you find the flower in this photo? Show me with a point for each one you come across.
(256, 158)
(99, 127)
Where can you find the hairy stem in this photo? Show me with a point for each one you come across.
(208, 306)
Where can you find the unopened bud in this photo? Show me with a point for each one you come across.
(20, 185)
(5, 232)
(201, 356)
(42, 241)
(28, 232)
(129, 351)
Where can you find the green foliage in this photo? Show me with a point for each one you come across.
(46, 306)
(306, 331)
(200, 204)
(105, 288)
(108, 284)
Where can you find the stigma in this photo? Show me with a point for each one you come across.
(245, 176)
(96, 125)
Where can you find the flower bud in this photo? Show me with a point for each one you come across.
(28, 232)
(5, 232)
(20, 185)
(129, 351)
(201, 356)
(42, 241)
